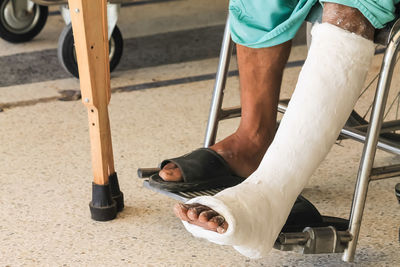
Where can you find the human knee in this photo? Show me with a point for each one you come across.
(348, 18)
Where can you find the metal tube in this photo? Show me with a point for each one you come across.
(355, 134)
(282, 105)
(293, 238)
(382, 144)
(20, 8)
(385, 172)
(344, 236)
(387, 126)
(219, 86)
(369, 150)
(230, 113)
(65, 2)
(50, 2)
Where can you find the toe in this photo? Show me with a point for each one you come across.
(222, 228)
(195, 210)
(170, 172)
(202, 216)
(180, 211)
(205, 216)
(215, 222)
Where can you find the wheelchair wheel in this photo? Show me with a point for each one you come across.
(17, 27)
(362, 111)
(67, 56)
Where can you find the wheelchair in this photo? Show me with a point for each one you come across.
(381, 131)
(22, 20)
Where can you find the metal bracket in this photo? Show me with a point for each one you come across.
(112, 16)
(314, 240)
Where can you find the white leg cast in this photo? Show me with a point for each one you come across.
(327, 89)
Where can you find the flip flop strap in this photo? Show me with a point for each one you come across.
(201, 165)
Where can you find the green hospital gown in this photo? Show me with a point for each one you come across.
(265, 23)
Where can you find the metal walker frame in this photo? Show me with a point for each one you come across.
(113, 8)
(370, 138)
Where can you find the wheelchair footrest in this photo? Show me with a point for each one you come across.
(314, 240)
(306, 231)
(183, 196)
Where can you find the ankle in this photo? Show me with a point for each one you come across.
(258, 133)
(256, 139)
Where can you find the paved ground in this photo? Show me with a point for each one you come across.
(164, 84)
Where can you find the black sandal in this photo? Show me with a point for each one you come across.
(201, 169)
(305, 214)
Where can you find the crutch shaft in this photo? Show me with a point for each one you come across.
(89, 23)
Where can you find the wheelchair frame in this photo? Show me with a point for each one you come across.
(370, 138)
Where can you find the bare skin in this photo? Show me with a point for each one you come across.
(260, 78)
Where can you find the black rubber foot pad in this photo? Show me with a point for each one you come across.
(106, 213)
(116, 193)
(102, 206)
(119, 200)
(397, 190)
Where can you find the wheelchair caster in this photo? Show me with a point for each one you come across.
(67, 56)
(21, 22)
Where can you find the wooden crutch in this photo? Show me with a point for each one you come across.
(89, 25)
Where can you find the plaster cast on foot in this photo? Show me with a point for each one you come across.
(327, 89)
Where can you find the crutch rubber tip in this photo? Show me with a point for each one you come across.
(116, 193)
(397, 189)
(102, 206)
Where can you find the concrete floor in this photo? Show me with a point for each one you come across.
(45, 161)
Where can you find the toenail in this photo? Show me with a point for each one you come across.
(183, 205)
(218, 219)
(221, 230)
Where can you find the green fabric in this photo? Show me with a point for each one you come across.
(265, 23)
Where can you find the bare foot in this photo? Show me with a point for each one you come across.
(261, 73)
(242, 152)
(202, 216)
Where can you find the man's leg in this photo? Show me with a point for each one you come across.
(297, 154)
(260, 80)
(349, 19)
